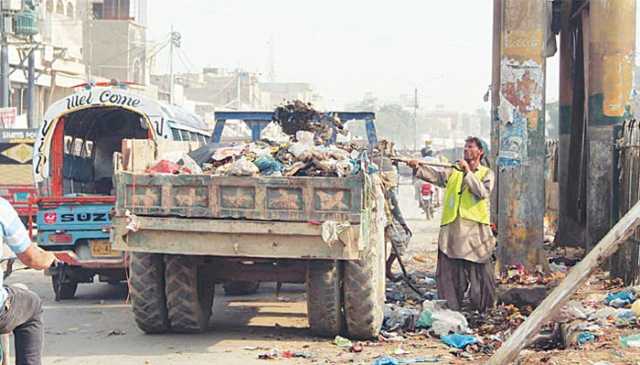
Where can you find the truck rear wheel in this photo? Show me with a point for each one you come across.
(189, 296)
(364, 294)
(324, 298)
(241, 287)
(146, 290)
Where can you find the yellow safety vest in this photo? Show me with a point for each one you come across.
(464, 203)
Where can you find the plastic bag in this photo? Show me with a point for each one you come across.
(459, 341)
(620, 299)
(630, 341)
(243, 167)
(268, 165)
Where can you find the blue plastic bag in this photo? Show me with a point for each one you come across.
(459, 341)
(620, 299)
(584, 337)
(268, 165)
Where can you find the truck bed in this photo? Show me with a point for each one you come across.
(288, 199)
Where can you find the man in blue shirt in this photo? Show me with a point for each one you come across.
(21, 309)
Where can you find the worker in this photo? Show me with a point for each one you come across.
(21, 309)
(466, 242)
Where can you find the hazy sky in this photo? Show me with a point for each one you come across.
(345, 48)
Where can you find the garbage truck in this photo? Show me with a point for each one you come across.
(185, 233)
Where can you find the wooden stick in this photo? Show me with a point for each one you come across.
(561, 294)
(421, 162)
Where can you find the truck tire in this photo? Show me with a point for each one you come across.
(146, 290)
(189, 297)
(63, 287)
(364, 279)
(324, 298)
(240, 287)
(363, 299)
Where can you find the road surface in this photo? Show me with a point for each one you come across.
(97, 327)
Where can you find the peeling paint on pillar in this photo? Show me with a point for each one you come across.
(611, 59)
(521, 156)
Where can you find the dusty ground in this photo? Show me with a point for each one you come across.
(97, 327)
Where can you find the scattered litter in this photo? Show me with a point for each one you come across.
(269, 355)
(625, 317)
(429, 281)
(620, 299)
(342, 342)
(558, 267)
(636, 308)
(420, 258)
(356, 347)
(400, 351)
(116, 333)
(399, 318)
(604, 313)
(425, 321)
(445, 321)
(584, 337)
(390, 336)
(295, 354)
(459, 341)
(387, 360)
(577, 310)
(630, 341)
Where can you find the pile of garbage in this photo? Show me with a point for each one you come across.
(300, 156)
(296, 144)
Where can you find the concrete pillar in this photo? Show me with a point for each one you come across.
(569, 231)
(521, 155)
(495, 98)
(612, 30)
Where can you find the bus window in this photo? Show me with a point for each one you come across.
(88, 146)
(176, 134)
(77, 147)
(68, 142)
(194, 137)
(185, 135)
(203, 139)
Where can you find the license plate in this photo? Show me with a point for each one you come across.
(21, 197)
(101, 248)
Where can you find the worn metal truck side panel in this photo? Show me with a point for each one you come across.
(295, 199)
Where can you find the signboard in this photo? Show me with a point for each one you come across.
(8, 117)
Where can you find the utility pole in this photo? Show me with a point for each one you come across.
(31, 88)
(171, 44)
(611, 55)
(4, 57)
(521, 155)
(272, 60)
(415, 119)
(495, 99)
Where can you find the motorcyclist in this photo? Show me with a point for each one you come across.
(21, 309)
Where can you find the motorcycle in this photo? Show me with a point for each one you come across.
(6, 263)
(426, 201)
